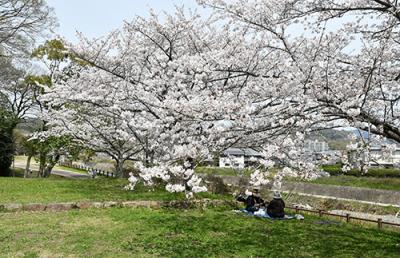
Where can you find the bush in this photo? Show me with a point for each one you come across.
(6, 142)
(216, 185)
(335, 170)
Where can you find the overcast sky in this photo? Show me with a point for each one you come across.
(97, 17)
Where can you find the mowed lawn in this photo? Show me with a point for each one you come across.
(51, 190)
(123, 232)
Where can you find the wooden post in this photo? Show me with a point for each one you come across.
(347, 217)
(379, 223)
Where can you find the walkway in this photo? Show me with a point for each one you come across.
(58, 172)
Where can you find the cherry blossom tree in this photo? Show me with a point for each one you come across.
(135, 92)
(174, 90)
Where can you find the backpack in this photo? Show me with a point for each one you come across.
(241, 198)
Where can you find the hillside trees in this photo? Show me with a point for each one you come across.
(22, 22)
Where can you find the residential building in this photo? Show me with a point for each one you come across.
(239, 157)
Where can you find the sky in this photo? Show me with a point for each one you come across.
(95, 18)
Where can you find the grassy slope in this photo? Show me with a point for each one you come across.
(35, 190)
(75, 170)
(19, 172)
(372, 172)
(385, 183)
(172, 233)
(368, 182)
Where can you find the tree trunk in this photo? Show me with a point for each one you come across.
(119, 168)
(47, 170)
(13, 166)
(28, 165)
(42, 164)
(149, 158)
(49, 167)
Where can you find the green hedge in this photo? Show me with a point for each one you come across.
(335, 170)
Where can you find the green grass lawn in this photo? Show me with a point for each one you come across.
(378, 182)
(123, 232)
(55, 189)
(19, 172)
(367, 182)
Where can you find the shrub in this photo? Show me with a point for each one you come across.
(335, 170)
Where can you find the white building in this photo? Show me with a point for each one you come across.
(238, 157)
(384, 157)
(380, 155)
(316, 146)
(319, 151)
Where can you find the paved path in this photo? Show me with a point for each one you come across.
(69, 174)
(58, 172)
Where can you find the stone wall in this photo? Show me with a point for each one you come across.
(64, 206)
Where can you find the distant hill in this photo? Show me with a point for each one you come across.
(331, 135)
(336, 139)
(361, 133)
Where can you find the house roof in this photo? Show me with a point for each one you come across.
(241, 152)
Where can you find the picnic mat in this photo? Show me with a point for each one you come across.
(263, 214)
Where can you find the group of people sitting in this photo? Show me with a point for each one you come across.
(275, 208)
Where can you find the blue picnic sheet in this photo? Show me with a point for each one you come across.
(263, 214)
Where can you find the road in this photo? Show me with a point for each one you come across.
(58, 172)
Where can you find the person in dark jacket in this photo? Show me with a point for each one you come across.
(254, 201)
(276, 207)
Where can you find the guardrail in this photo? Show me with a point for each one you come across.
(98, 172)
(347, 216)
